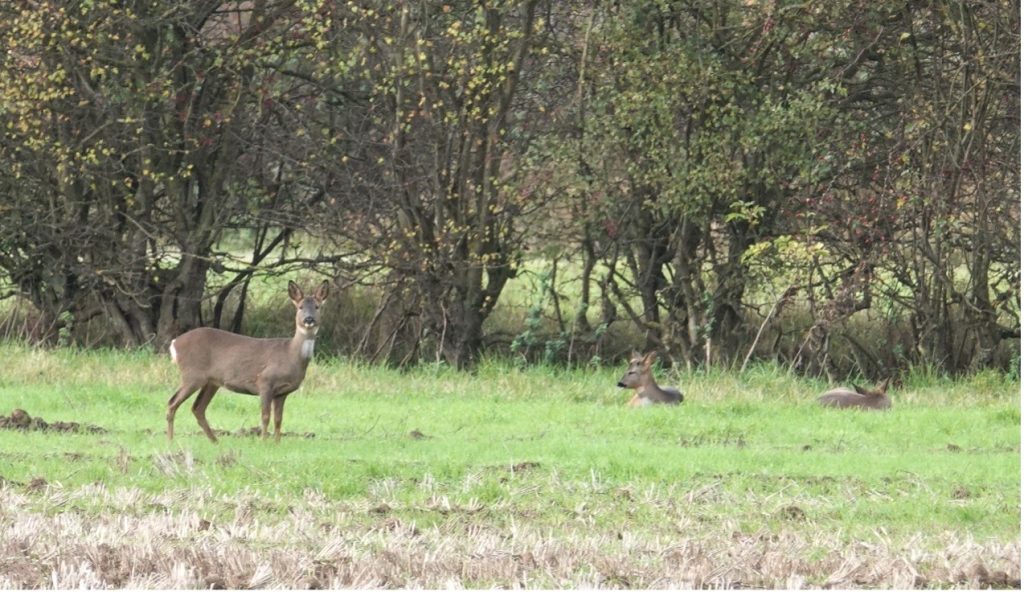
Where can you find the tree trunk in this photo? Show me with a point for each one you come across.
(813, 355)
(179, 306)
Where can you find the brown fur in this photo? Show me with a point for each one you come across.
(638, 377)
(269, 368)
(859, 397)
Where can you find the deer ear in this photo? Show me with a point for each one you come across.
(649, 358)
(883, 386)
(322, 292)
(860, 390)
(294, 292)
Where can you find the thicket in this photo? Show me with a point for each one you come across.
(835, 186)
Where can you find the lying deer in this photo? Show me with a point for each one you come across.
(859, 397)
(269, 368)
(647, 392)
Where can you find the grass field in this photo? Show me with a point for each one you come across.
(507, 477)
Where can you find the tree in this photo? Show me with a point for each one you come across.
(706, 120)
(421, 170)
(926, 208)
(125, 128)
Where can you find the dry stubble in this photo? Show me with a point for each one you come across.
(97, 538)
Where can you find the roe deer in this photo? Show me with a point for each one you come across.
(859, 397)
(270, 368)
(647, 392)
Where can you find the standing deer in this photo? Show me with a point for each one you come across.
(859, 397)
(647, 392)
(269, 368)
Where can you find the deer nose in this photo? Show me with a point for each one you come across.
(309, 321)
(621, 385)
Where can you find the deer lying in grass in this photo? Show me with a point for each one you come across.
(269, 368)
(647, 392)
(859, 397)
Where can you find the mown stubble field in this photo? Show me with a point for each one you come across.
(506, 478)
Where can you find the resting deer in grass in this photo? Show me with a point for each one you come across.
(862, 398)
(268, 368)
(647, 392)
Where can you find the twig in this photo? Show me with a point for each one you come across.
(778, 305)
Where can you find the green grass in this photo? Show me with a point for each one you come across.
(946, 458)
(539, 477)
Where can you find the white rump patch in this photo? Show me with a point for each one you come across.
(307, 349)
(174, 352)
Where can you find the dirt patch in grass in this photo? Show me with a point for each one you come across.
(701, 440)
(19, 419)
(524, 466)
(255, 431)
(793, 513)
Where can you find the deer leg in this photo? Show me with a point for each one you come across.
(199, 409)
(179, 397)
(265, 400)
(278, 416)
